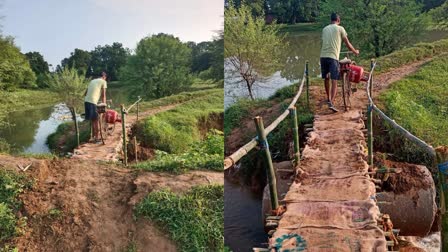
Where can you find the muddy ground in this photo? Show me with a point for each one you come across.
(78, 205)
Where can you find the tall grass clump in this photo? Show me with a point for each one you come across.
(195, 220)
(174, 131)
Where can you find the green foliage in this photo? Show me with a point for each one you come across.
(258, 7)
(251, 48)
(206, 154)
(292, 11)
(419, 102)
(109, 58)
(160, 66)
(439, 17)
(409, 55)
(377, 27)
(175, 130)
(237, 111)
(15, 70)
(79, 60)
(69, 85)
(39, 67)
(195, 220)
(11, 185)
(5, 147)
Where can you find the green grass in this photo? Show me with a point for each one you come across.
(419, 103)
(300, 27)
(11, 186)
(240, 110)
(195, 220)
(207, 154)
(409, 55)
(64, 136)
(175, 130)
(36, 155)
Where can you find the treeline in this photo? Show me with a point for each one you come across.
(160, 65)
(293, 11)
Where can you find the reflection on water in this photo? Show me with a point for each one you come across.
(243, 227)
(28, 130)
(305, 46)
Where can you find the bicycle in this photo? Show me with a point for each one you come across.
(106, 129)
(345, 71)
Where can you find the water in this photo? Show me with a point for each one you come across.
(301, 47)
(243, 227)
(28, 130)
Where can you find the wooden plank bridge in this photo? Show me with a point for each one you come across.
(331, 204)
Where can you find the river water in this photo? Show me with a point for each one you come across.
(243, 229)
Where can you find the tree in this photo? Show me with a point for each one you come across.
(109, 58)
(40, 67)
(377, 27)
(258, 7)
(79, 59)
(251, 47)
(217, 61)
(201, 56)
(160, 67)
(70, 86)
(15, 70)
(439, 17)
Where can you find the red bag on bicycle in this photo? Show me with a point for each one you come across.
(112, 116)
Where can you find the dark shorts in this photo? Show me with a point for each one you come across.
(329, 65)
(90, 109)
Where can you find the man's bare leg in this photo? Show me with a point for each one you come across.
(96, 127)
(334, 90)
(327, 87)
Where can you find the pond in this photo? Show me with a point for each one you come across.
(28, 130)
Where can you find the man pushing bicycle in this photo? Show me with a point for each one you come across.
(332, 37)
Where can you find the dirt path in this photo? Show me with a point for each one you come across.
(79, 205)
(332, 204)
(112, 149)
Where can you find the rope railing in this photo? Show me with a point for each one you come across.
(232, 159)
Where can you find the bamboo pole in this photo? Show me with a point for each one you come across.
(372, 61)
(428, 148)
(442, 164)
(370, 135)
(123, 123)
(135, 148)
(73, 110)
(262, 140)
(307, 83)
(295, 130)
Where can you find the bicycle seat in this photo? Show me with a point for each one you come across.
(345, 61)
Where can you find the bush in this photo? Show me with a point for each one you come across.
(8, 223)
(63, 140)
(195, 220)
(5, 147)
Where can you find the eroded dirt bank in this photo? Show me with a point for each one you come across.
(78, 205)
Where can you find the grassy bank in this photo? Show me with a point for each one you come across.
(174, 131)
(195, 220)
(409, 55)
(11, 225)
(207, 154)
(418, 103)
(63, 140)
(300, 27)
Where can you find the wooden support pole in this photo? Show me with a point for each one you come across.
(370, 135)
(295, 131)
(372, 61)
(263, 142)
(73, 110)
(138, 109)
(136, 148)
(123, 123)
(307, 73)
(442, 164)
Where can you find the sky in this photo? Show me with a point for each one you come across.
(55, 28)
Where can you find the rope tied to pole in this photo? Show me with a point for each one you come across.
(443, 168)
(262, 144)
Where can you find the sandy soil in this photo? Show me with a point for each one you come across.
(79, 205)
